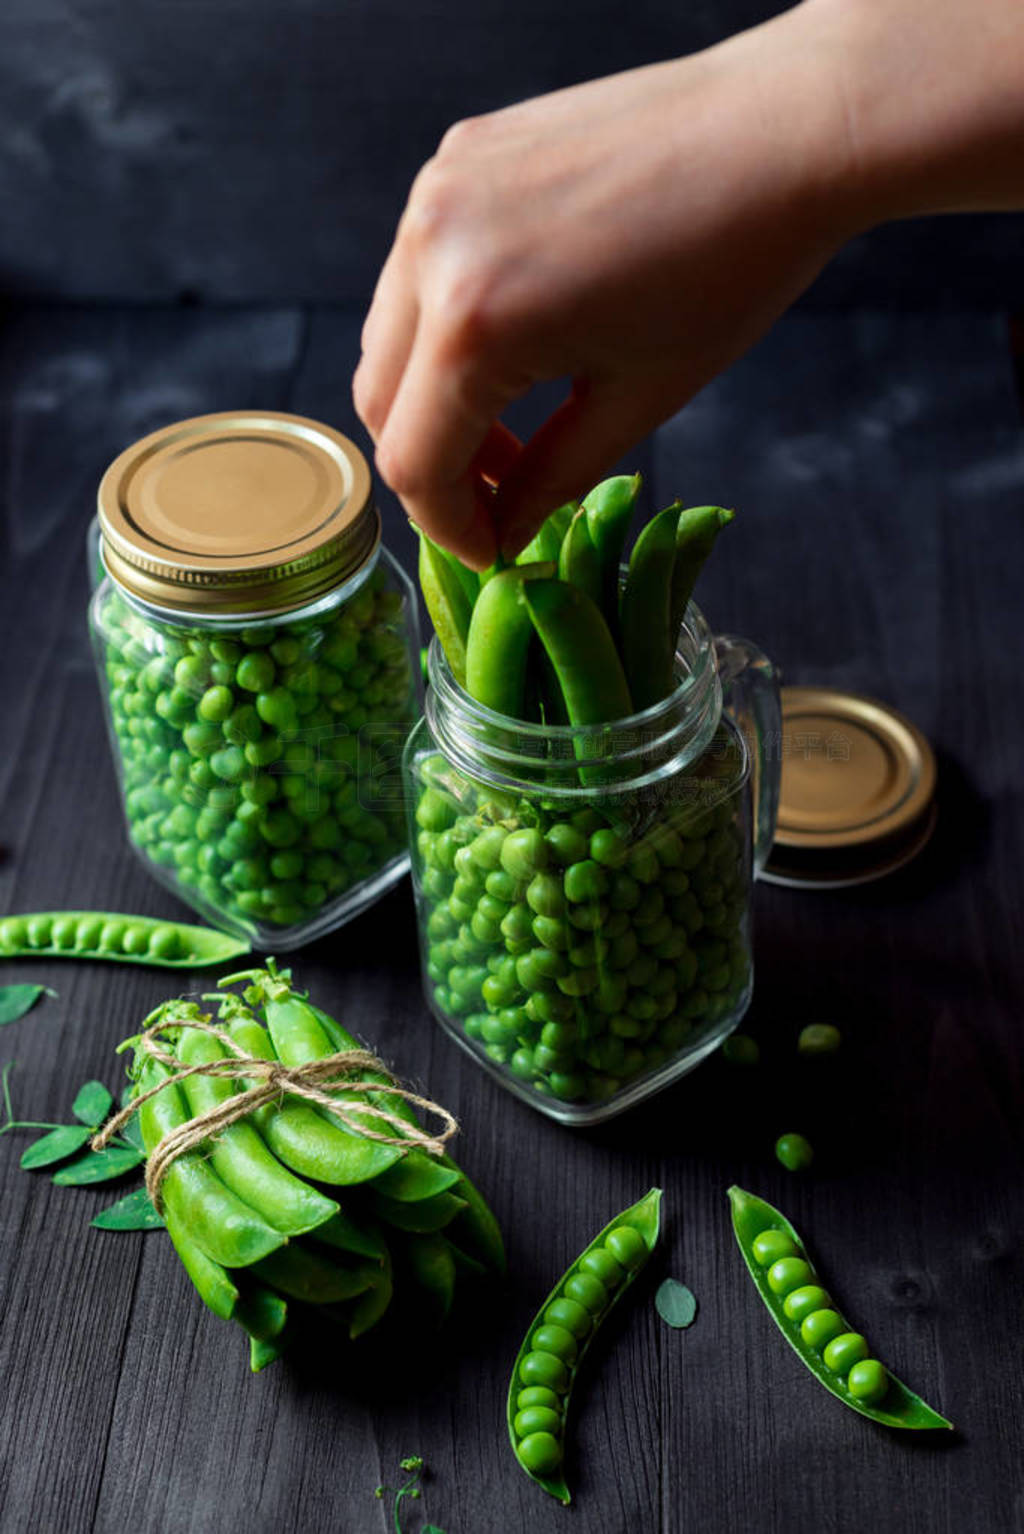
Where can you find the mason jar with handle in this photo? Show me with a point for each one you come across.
(257, 653)
(584, 895)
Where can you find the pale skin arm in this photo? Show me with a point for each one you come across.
(636, 234)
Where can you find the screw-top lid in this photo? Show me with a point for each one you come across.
(251, 512)
(857, 797)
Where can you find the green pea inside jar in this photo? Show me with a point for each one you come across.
(256, 647)
(584, 893)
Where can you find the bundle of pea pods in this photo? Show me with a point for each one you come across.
(285, 1208)
(558, 636)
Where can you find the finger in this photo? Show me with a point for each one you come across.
(388, 335)
(498, 455)
(460, 518)
(575, 447)
(440, 421)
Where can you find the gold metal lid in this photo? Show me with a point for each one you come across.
(253, 512)
(857, 794)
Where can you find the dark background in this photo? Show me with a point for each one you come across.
(196, 197)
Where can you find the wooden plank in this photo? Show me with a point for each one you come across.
(878, 469)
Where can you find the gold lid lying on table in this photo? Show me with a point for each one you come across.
(253, 512)
(857, 793)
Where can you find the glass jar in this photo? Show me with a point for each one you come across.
(257, 651)
(583, 895)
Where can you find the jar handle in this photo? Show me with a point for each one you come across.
(750, 693)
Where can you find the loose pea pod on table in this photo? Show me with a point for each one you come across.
(560, 1334)
(113, 935)
(837, 1356)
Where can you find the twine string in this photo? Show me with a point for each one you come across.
(324, 1083)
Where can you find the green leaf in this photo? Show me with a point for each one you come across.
(134, 1212)
(55, 1146)
(98, 1166)
(16, 1000)
(675, 1304)
(92, 1104)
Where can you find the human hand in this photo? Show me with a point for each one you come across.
(635, 235)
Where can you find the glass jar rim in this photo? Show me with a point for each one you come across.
(208, 618)
(617, 756)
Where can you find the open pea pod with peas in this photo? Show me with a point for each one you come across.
(562, 1331)
(837, 1356)
(117, 937)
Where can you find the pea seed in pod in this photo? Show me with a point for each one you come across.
(804, 1301)
(537, 1419)
(538, 1395)
(541, 1453)
(543, 1368)
(555, 1339)
(868, 1381)
(602, 1265)
(820, 1327)
(571, 1315)
(789, 1273)
(588, 1292)
(844, 1351)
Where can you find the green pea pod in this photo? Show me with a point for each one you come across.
(368, 1308)
(432, 1264)
(262, 1353)
(753, 1219)
(239, 1155)
(543, 547)
(547, 1364)
(301, 1137)
(226, 1229)
(579, 563)
(429, 1215)
(559, 519)
(648, 645)
(302, 1273)
(341, 1040)
(298, 1037)
(349, 1235)
(115, 936)
(415, 1177)
(261, 1312)
(582, 652)
(499, 640)
(476, 1225)
(609, 508)
(447, 603)
(696, 531)
(210, 1281)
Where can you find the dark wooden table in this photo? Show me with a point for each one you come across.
(878, 464)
